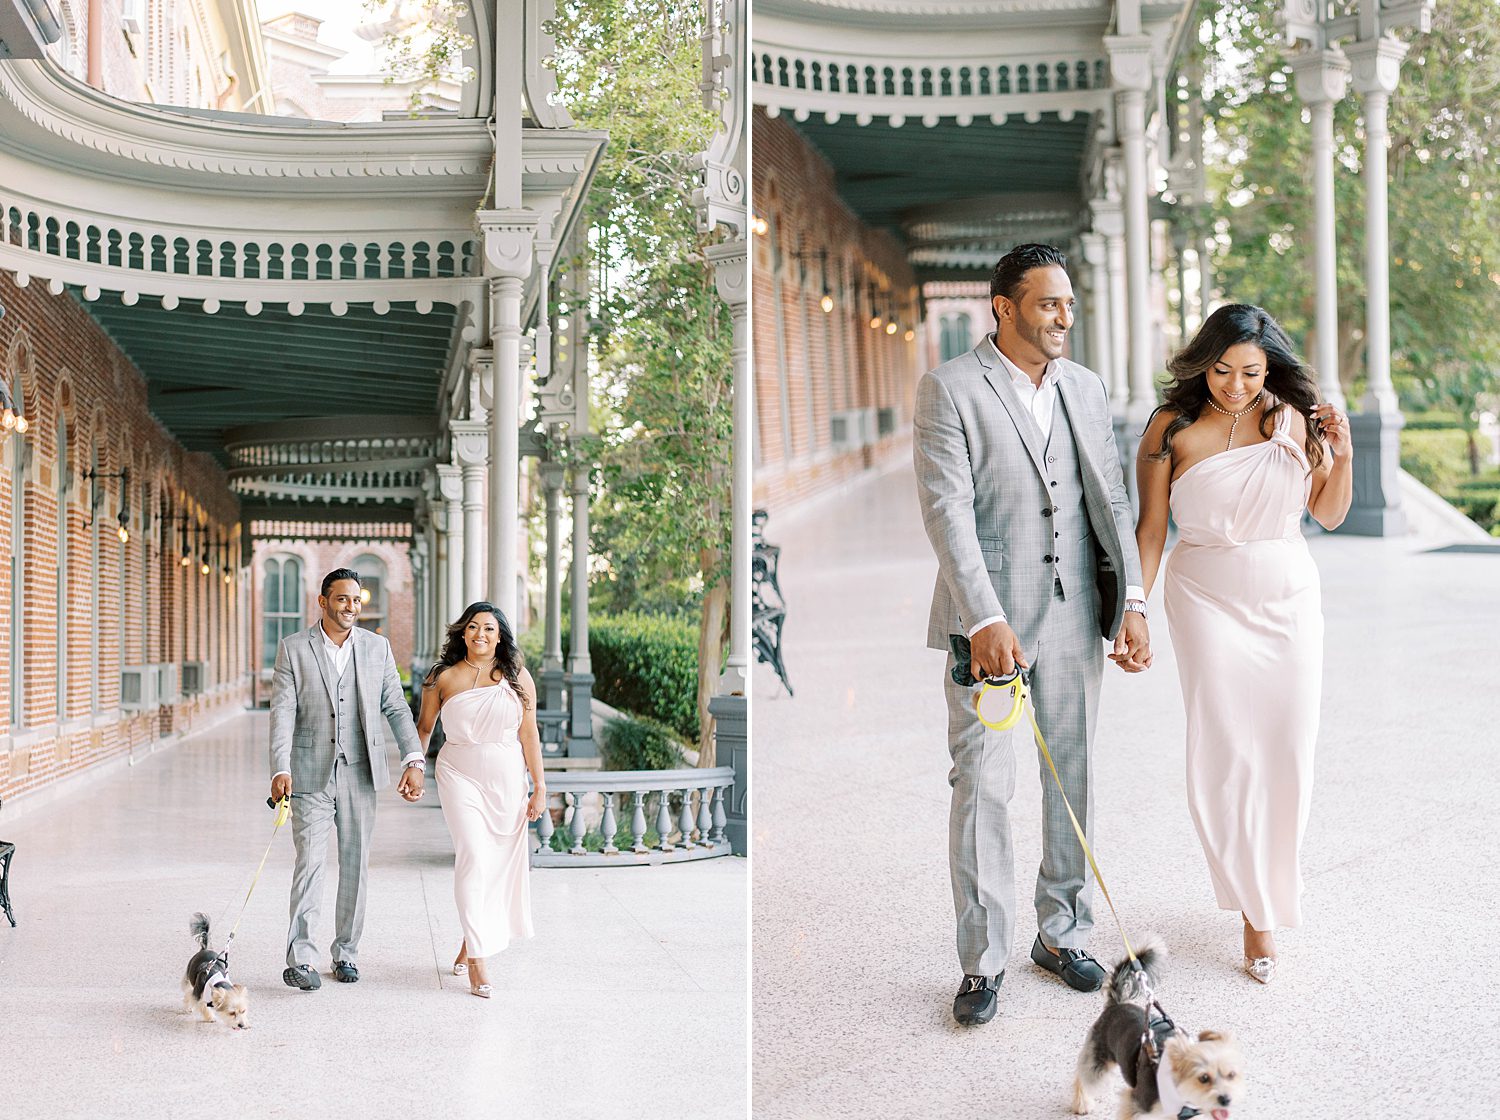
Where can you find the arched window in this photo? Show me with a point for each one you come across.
(371, 571)
(282, 599)
(62, 568)
(18, 458)
(956, 336)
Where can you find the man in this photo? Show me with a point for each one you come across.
(1024, 503)
(331, 687)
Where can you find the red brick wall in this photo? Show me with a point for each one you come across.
(66, 371)
(810, 364)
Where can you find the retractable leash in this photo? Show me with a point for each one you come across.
(283, 810)
(1018, 686)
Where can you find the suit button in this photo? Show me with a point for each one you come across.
(1051, 458)
(1047, 512)
(1054, 484)
(1056, 535)
(333, 740)
(1055, 509)
(1047, 559)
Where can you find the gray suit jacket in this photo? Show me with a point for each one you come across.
(983, 486)
(302, 699)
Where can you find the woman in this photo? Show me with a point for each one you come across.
(1239, 448)
(488, 704)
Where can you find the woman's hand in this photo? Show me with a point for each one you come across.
(537, 805)
(1333, 426)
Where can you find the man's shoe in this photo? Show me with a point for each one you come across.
(302, 976)
(976, 1001)
(345, 973)
(1079, 971)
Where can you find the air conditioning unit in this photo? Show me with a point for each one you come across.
(138, 688)
(133, 16)
(885, 422)
(166, 684)
(851, 429)
(196, 676)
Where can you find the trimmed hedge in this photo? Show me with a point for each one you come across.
(1480, 506)
(643, 664)
(648, 665)
(640, 743)
(1439, 459)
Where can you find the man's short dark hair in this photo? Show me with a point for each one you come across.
(1013, 267)
(337, 574)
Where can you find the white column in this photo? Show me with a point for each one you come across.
(1109, 221)
(509, 240)
(731, 273)
(1377, 69)
(579, 661)
(1130, 69)
(552, 485)
(439, 601)
(1322, 78)
(1096, 257)
(450, 485)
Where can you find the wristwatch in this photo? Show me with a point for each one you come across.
(1137, 605)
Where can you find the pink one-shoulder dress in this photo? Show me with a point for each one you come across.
(481, 777)
(1245, 614)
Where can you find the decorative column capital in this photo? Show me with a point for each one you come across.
(509, 241)
(1377, 64)
(1322, 75)
(1130, 61)
(450, 482)
(731, 274)
(471, 444)
(1095, 251)
(1108, 217)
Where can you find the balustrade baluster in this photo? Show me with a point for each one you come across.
(638, 822)
(664, 821)
(685, 819)
(721, 818)
(609, 825)
(577, 826)
(705, 819)
(544, 830)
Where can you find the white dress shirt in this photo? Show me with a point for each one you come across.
(1041, 402)
(339, 657)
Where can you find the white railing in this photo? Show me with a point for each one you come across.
(622, 817)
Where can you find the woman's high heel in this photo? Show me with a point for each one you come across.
(1261, 968)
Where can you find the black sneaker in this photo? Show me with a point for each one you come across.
(345, 973)
(1078, 970)
(976, 1001)
(302, 976)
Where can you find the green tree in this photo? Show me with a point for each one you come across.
(1444, 182)
(662, 335)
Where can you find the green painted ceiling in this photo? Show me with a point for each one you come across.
(888, 176)
(208, 373)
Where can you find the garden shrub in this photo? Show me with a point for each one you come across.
(648, 665)
(640, 743)
(1439, 459)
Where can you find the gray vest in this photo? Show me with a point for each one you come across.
(1073, 546)
(350, 732)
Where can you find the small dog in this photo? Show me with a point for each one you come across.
(206, 985)
(1193, 1077)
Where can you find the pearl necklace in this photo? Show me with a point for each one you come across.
(1234, 423)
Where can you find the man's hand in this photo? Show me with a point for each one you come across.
(410, 785)
(995, 652)
(281, 786)
(1132, 650)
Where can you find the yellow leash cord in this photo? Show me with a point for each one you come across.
(283, 810)
(1019, 693)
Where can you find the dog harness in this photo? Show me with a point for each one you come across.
(1154, 1051)
(217, 976)
(1172, 1103)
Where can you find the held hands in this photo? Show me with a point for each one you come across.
(995, 651)
(537, 804)
(1132, 650)
(281, 786)
(1333, 426)
(410, 785)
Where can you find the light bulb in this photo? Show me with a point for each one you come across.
(226, 576)
(203, 569)
(874, 322)
(826, 304)
(124, 534)
(23, 425)
(910, 334)
(760, 226)
(7, 419)
(890, 328)
(186, 559)
(364, 594)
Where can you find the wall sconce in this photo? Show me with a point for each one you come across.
(760, 226)
(910, 335)
(187, 555)
(802, 257)
(224, 555)
(204, 567)
(96, 499)
(876, 321)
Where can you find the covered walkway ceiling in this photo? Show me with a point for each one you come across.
(209, 373)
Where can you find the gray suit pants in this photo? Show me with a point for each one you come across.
(346, 805)
(1068, 664)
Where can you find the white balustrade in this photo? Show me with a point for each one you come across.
(592, 801)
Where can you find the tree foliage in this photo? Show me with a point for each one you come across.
(1444, 175)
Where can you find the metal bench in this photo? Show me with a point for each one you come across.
(767, 604)
(6, 851)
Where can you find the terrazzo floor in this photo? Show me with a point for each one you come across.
(1388, 1005)
(631, 1000)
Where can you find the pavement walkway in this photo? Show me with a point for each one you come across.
(631, 1000)
(1388, 1003)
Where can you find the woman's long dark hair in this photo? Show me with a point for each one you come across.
(507, 653)
(1288, 378)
